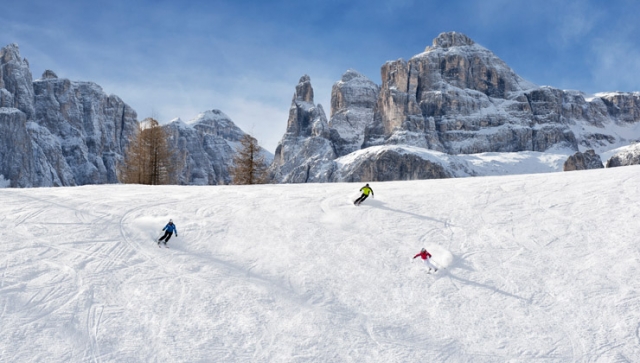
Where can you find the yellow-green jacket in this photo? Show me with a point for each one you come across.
(366, 190)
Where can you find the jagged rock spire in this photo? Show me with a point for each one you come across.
(304, 91)
(305, 153)
(304, 116)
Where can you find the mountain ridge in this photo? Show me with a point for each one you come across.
(459, 98)
(456, 97)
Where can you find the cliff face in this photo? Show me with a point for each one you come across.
(93, 128)
(15, 81)
(62, 132)
(460, 98)
(16, 149)
(353, 100)
(583, 161)
(629, 155)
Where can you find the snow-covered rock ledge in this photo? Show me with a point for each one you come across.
(384, 163)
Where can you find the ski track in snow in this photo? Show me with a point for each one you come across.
(532, 268)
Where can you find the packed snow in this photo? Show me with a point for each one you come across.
(533, 268)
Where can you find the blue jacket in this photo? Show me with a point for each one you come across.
(170, 227)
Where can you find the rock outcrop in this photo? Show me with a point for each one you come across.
(353, 99)
(629, 156)
(583, 161)
(390, 164)
(400, 162)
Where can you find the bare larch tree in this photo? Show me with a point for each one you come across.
(149, 158)
(249, 166)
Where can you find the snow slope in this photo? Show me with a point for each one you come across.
(539, 268)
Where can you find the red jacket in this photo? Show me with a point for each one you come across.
(425, 255)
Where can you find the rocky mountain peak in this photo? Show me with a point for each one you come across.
(451, 39)
(10, 53)
(351, 74)
(353, 99)
(305, 153)
(207, 145)
(304, 91)
(353, 89)
(49, 74)
(216, 122)
(303, 113)
(15, 77)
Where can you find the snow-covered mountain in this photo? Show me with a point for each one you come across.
(207, 145)
(460, 99)
(444, 113)
(56, 132)
(537, 268)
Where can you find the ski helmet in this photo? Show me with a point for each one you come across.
(170, 220)
(423, 250)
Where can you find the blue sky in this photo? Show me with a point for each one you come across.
(171, 59)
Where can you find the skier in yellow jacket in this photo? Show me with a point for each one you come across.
(366, 190)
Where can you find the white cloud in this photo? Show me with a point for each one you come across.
(259, 106)
(616, 66)
(575, 20)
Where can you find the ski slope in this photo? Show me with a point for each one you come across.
(539, 268)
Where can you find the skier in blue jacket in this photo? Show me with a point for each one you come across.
(169, 229)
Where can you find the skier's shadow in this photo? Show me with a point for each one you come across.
(462, 265)
(381, 205)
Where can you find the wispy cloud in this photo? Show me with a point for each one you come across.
(255, 103)
(578, 20)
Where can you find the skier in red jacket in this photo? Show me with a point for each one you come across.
(425, 257)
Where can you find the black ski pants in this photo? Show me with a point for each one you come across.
(361, 199)
(166, 237)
